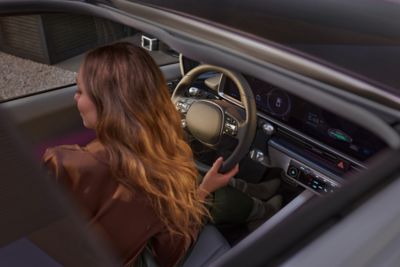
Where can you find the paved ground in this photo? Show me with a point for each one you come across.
(21, 76)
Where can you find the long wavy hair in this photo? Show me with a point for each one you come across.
(140, 129)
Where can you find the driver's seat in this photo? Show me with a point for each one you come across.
(208, 247)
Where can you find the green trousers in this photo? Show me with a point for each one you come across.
(230, 206)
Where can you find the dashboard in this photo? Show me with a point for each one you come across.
(315, 148)
(309, 119)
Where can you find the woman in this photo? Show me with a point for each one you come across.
(137, 181)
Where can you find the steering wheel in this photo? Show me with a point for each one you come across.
(208, 120)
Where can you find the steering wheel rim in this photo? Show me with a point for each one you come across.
(247, 127)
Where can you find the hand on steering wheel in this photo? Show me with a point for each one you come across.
(213, 180)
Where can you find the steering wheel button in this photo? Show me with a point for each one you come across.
(185, 107)
(230, 128)
(193, 91)
(182, 106)
(183, 123)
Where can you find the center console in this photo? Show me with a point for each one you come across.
(310, 179)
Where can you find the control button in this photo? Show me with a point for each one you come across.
(183, 123)
(332, 185)
(230, 126)
(257, 155)
(268, 128)
(230, 129)
(182, 107)
(315, 182)
(310, 178)
(230, 119)
(193, 91)
(293, 171)
(342, 165)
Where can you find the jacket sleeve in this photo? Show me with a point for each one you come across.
(53, 162)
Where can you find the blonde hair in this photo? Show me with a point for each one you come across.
(140, 129)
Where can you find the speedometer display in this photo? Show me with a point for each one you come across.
(312, 120)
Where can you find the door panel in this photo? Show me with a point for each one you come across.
(51, 118)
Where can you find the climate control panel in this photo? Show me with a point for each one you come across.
(310, 178)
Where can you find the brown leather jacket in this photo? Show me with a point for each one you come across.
(124, 219)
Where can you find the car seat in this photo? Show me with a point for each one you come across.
(208, 247)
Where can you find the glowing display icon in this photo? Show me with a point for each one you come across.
(278, 102)
(339, 135)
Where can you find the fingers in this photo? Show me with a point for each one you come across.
(214, 180)
(217, 164)
(233, 171)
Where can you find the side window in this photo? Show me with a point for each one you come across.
(42, 52)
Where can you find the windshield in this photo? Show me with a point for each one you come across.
(360, 37)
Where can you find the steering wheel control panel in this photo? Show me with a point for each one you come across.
(230, 125)
(183, 105)
(310, 178)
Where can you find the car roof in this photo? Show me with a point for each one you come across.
(364, 16)
(368, 71)
(360, 38)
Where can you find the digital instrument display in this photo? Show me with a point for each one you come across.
(310, 119)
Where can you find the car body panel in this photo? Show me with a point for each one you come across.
(374, 242)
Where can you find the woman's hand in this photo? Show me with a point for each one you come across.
(214, 180)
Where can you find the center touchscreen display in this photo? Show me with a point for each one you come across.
(310, 119)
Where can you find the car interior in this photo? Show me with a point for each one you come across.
(275, 123)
